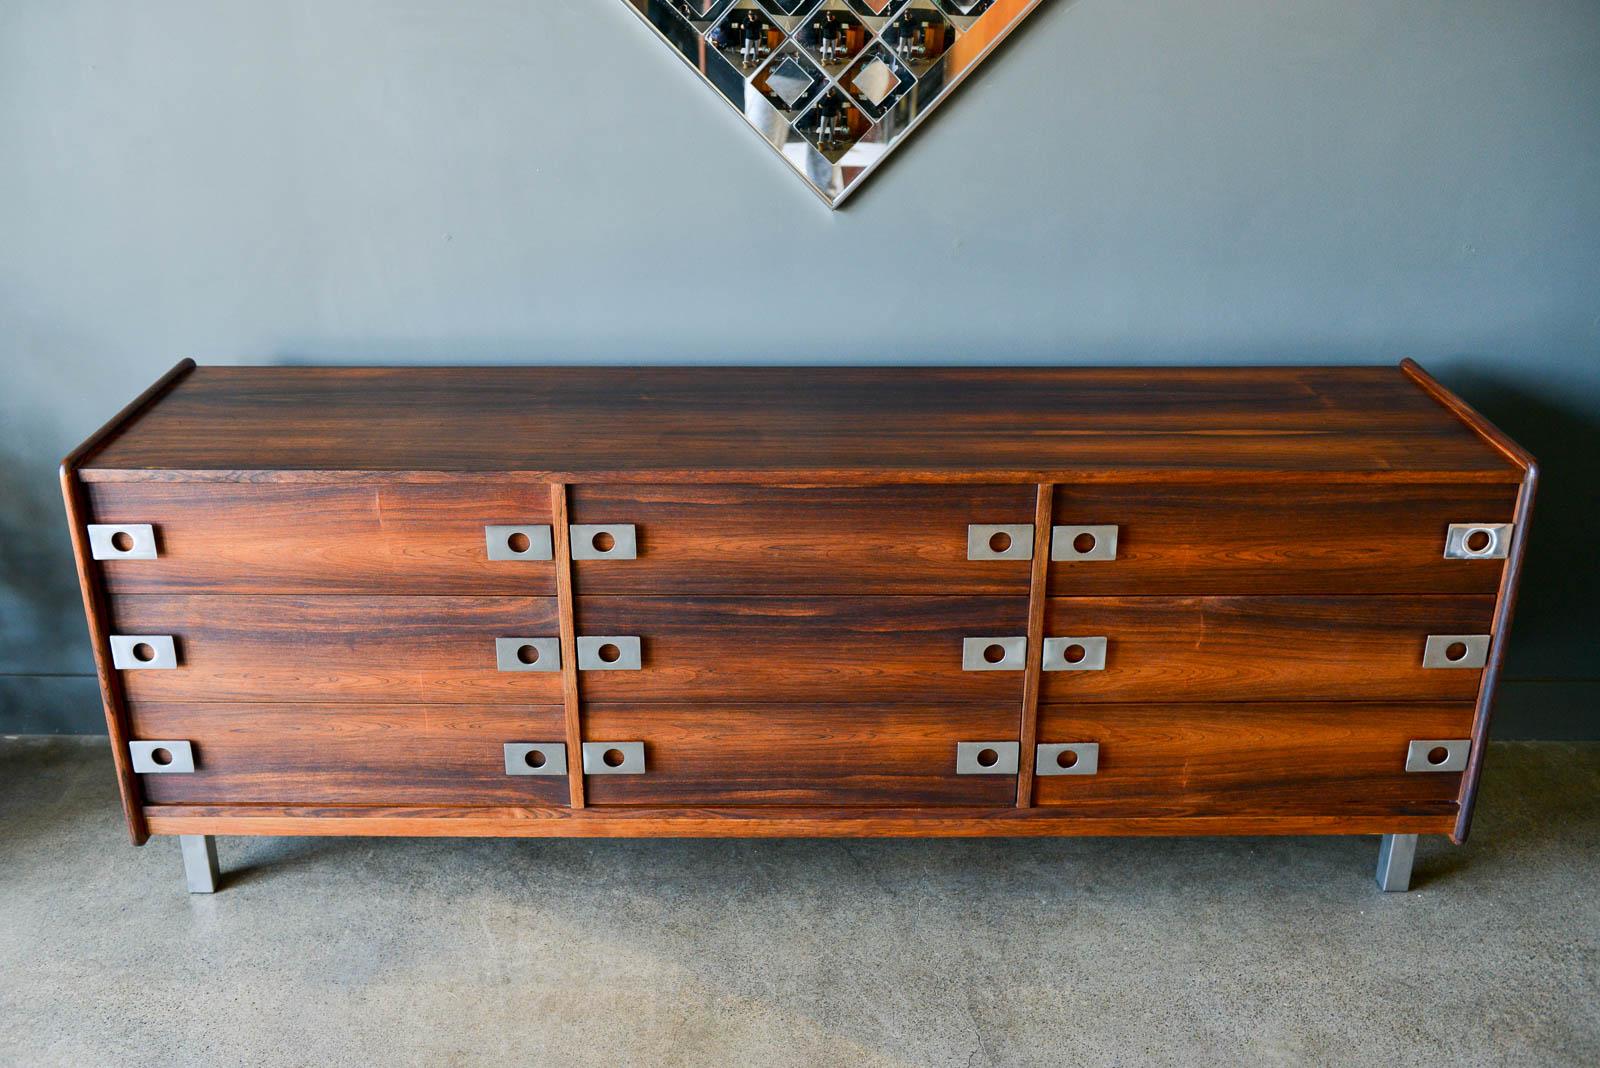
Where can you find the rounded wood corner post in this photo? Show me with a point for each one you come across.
(1043, 516)
(1510, 575)
(568, 622)
(95, 607)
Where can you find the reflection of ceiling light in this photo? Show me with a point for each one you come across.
(965, 6)
(790, 81)
(876, 81)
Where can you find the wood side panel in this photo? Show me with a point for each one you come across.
(800, 755)
(91, 584)
(789, 541)
(423, 650)
(351, 754)
(624, 822)
(1169, 649)
(572, 709)
(1254, 759)
(370, 539)
(795, 650)
(1044, 501)
(1328, 539)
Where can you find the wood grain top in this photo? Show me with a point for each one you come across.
(822, 425)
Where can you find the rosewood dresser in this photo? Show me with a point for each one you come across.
(786, 602)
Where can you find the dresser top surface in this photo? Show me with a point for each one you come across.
(794, 424)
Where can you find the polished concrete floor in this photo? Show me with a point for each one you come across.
(705, 953)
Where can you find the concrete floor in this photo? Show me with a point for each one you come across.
(703, 953)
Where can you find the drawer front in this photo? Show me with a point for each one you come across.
(1284, 540)
(763, 541)
(1340, 759)
(833, 649)
(801, 755)
(350, 755)
(1264, 648)
(381, 538)
(421, 650)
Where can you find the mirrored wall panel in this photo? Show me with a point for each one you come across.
(833, 85)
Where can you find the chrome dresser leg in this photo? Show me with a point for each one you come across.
(1395, 855)
(199, 862)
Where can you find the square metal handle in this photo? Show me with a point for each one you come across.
(1456, 651)
(1067, 758)
(527, 654)
(613, 758)
(162, 758)
(519, 543)
(1478, 541)
(144, 652)
(615, 652)
(536, 758)
(1438, 754)
(1083, 543)
(1000, 541)
(994, 654)
(604, 541)
(1075, 654)
(122, 541)
(987, 758)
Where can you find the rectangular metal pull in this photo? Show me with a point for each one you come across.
(994, 654)
(519, 543)
(1436, 754)
(1075, 654)
(1000, 541)
(527, 654)
(604, 541)
(610, 653)
(613, 758)
(1067, 758)
(144, 652)
(1478, 541)
(987, 758)
(162, 758)
(536, 758)
(1456, 651)
(122, 541)
(1083, 543)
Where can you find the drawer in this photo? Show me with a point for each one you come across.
(420, 650)
(753, 540)
(1263, 648)
(377, 538)
(794, 650)
(1289, 539)
(801, 755)
(350, 755)
(1344, 759)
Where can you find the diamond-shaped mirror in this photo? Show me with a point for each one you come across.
(833, 86)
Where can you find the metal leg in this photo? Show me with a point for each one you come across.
(199, 862)
(1395, 855)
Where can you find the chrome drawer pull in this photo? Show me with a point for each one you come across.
(613, 758)
(1434, 754)
(1067, 758)
(1075, 654)
(1456, 651)
(994, 654)
(1083, 543)
(615, 541)
(122, 541)
(527, 654)
(1478, 541)
(1000, 541)
(162, 758)
(519, 543)
(610, 653)
(536, 758)
(987, 758)
(143, 652)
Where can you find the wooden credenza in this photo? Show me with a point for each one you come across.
(671, 601)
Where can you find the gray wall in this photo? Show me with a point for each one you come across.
(540, 180)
